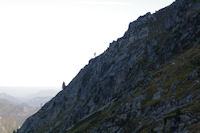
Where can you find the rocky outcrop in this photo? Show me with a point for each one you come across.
(146, 81)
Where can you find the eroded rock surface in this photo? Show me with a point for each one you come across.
(146, 81)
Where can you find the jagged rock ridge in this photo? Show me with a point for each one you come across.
(146, 81)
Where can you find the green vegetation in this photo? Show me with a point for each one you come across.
(176, 70)
(168, 91)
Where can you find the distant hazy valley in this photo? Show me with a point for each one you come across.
(15, 110)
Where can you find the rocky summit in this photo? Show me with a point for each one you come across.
(148, 81)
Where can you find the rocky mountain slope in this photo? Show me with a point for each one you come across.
(146, 81)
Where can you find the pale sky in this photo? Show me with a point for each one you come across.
(45, 42)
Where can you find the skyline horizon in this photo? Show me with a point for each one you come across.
(23, 92)
(44, 47)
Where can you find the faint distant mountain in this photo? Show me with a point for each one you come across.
(45, 93)
(28, 92)
(35, 99)
(12, 114)
(40, 98)
(8, 98)
(38, 101)
(15, 110)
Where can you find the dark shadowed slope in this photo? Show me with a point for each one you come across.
(146, 81)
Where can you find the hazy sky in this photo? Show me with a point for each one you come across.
(45, 42)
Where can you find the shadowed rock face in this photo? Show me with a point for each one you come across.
(145, 81)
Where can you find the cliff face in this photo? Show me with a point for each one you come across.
(146, 81)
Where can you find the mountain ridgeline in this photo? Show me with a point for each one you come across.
(147, 81)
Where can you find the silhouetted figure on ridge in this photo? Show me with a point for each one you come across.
(63, 85)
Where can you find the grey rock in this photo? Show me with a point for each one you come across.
(185, 117)
(194, 74)
(94, 130)
(123, 117)
(136, 103)
(157, 95)
(105, 83)
(113, 129)
(120, 131)
(172, 87)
